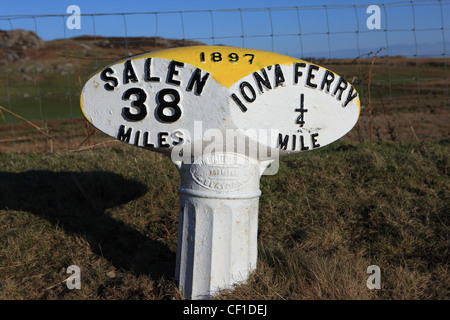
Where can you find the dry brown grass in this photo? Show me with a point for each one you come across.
(323, 219)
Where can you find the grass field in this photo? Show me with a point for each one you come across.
(323, 219)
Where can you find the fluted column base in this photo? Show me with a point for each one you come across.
(218, 225)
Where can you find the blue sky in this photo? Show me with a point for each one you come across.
(115, 6)
(329, 32)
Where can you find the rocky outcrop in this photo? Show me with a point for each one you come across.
(15, 43)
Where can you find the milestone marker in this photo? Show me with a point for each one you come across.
(223, 115)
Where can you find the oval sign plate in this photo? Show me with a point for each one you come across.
(192, 95)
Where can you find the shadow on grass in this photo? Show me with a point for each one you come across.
(76, 202)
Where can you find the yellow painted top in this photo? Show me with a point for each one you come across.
(226, 65)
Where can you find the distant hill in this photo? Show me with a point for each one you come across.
(137, 42)
(20, 45)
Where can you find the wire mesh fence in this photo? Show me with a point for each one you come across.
(395, 54)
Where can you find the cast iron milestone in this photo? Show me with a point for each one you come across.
(223, 115)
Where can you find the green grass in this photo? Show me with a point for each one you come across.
(323, 219)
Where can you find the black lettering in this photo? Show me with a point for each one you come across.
(341, 86)
(250, 55)
(314, 140)
(262, 81)
(178, 135)
(136, 137)
(282, 143)
(233, 57)
(162, 142)
(128, 73)
(327, 80)
(148, 74)
(138, 104)
(239, 103)
(111, 82)
(279, 76)
(302, 144)
(146, 142)
(244, 85)
(216, 56)
(311, 76)
(198, 81)
(122, 135)
(298, 73)
(300, 119)
(294, 137)
(350, 96)
(164, 104)
(174, 72)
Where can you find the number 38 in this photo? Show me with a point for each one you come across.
(166, 111)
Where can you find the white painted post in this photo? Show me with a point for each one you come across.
(217, 235)
(223, 115)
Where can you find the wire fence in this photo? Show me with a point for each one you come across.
(395, 54)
